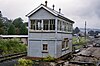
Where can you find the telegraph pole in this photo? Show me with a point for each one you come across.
(85, 30)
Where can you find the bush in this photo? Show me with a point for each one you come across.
(80, 40)
(24, 62)
(49, 58)
(10, 46)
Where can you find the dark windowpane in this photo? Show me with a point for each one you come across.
(45, 24)
(33, 24)
(52, 24)
(45, 47)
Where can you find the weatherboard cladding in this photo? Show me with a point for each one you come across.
(51, 11)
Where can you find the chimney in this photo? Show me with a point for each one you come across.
(53, 6)
(46, 3)
(59, 10)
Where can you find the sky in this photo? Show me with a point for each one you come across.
(77, 10)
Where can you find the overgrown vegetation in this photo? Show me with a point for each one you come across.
(10, 46)
(79, 42)
(49, 58)
(24, 62)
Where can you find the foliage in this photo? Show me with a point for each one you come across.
(0, 14)
(91, 33)
(1, 30)
(24, 62)
(5, 30)
(23, 30)
(11, 30)
(97, 32)
(17, 22)
(1, 22)
(79, 40)
(49, 58)
(12, 27)
(76, 30)
(10, 46)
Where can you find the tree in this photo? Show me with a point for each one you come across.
(17, 31)
(1, 30)
(1, 22)
(17, 22)
(5, 30)
(23, 30)
(96, 32)
(11, 30)
(91, 33)
(0, 14)
(76, 30)
(1, 26)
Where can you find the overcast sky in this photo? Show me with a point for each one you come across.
(76, 10)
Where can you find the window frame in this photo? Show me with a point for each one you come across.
(45, 47)
(65, 44)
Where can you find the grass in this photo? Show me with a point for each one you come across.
(79, 42)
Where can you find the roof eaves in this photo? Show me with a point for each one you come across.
(33, 10)
(36, 9)
(64, 18)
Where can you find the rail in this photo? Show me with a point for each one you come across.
(12, 56)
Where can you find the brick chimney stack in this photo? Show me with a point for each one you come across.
(46, 3)
(59, 10)
(53, 6)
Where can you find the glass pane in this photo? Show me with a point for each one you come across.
(45, 24)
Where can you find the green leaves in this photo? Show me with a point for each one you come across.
(12, 27)
(10, 46)
(11, 30)
(49, 58)
(24, 62)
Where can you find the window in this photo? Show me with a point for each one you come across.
(33, 24)
(45, 47)
(66, 26)
(58, 25)
(38, 25)
(52, 24)
(70, 27)
(48, 24)
(45, 24)
(65, 43)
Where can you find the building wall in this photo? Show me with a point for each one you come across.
(35, 48)
(42, 14)
(35, 44)
(36, 39)
(54, 44)
(39, 35)
(53, 39)
(60, 38)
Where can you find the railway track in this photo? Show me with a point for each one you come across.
(12, 56)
